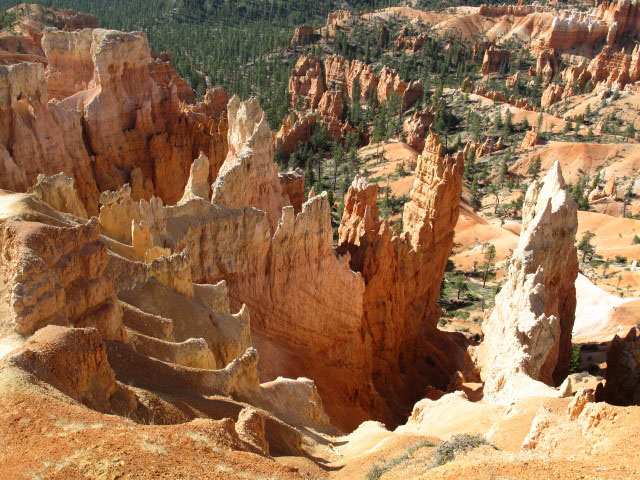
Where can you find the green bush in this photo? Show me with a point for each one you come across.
(574, 363)
(447, 451)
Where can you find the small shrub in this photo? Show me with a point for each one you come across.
(620, 259)
(447, 451)
(636, 239)
(376, 471)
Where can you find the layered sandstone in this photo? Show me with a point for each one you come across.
(248, 176)
(621, 16)
(293, 131)
(163, 73)
(40, 138)
(575, 30)
(56, 274)
(311, 78)
(152, 325)
(527, 337)
(288, 276)
(306, 84)
(121, 119)
(617, 68)
(59, 193)
(70, 66)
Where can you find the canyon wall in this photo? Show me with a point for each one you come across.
(403, 273)
(320, 87)
(298, 288)
(120, 119)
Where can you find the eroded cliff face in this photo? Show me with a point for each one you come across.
(296, 286)
(87, 311)
(402, 274)
(55, 274)
(120, 118)
(39, 137)
(528, 334)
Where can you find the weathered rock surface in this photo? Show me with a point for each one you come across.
(615, 68)
(74, 361)
(248, 176)
(56, 274)
(531, 139)
(575, 31)
(552, 94)
(39, 137)
(293, 132)
(70, 66)
(293, 186)
(306, 84)
(411, 43)
(198, 183)
(58, 192)
(402, 275)
(302, 36)
(163, 73)
(547, 64)
(311, 78)
(416, 128)
(120, 119)
(528, 334)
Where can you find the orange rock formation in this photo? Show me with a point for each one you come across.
(105, 75)
(494, 58)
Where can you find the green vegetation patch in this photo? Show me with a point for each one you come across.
(376, 471)
(447, 451)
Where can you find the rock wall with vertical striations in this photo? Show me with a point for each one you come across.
(402, 274)
(39, 137)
